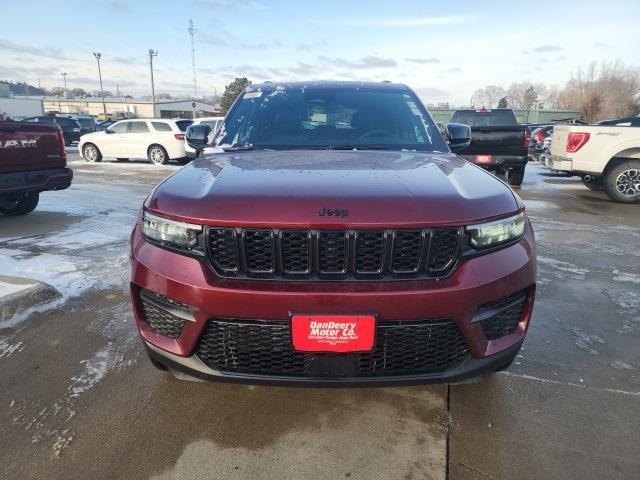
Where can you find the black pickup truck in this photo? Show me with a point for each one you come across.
(498, 142)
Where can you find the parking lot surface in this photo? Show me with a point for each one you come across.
(79, 399)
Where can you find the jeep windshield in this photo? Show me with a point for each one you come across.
(342, 118)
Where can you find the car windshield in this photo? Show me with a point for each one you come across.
(330, 118)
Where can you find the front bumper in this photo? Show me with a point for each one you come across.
(472, 367)
(475, 282)
(35, 180)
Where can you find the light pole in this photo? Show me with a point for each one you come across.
(104, 106)
(152, 54)
(64, 76)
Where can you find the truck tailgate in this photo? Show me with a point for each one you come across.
(30, 146)
(496, 141)
(559, 140)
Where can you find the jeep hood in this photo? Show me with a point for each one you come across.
(290, 188)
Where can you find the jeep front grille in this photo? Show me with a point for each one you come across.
(333, 254)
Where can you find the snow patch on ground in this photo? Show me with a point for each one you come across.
(619, 276)
(7, 348)
(582, 340)
(561, 268)
(621, 365)
(11, 288)
(95, 369)
(91, 253)
(51, 421)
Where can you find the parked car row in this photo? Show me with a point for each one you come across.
(158, 140)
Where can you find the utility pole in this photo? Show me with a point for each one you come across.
(104, 105)
(192, 31)
(64, 75)
(117, 90)
(152, 54)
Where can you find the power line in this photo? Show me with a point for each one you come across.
(66, 59)
(24, 50)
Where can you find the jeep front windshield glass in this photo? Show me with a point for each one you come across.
(330, 118)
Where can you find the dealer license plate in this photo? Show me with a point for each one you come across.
(333, 333)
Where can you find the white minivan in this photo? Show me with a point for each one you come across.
(158, 140)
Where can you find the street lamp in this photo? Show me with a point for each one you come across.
(104, 106)
(64, 76)
(152, 54)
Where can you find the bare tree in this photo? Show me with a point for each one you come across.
(608, 90)
(599, 91)
(488, 96)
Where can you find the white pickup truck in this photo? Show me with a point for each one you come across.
(606, 157)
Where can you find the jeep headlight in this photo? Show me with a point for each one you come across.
(170, 232)
(495, 233)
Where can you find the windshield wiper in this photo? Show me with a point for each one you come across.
(359, 147)
(237, 148)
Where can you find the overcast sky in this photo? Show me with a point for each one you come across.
(444, 50)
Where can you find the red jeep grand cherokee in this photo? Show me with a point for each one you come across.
(331, 237)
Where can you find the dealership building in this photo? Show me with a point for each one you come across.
(131, 107)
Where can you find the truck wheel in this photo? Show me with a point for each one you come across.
(157, 155)
(622, 182)
(515, 176)
(24, 205)
(592, 183)
(91, 153)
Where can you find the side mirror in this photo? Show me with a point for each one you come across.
(106, 130)
(198, 135)
(458, 136)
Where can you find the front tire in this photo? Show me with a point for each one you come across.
(91, 153)
(622, 182)
(26, 204)
(157, 155)
(515, 176)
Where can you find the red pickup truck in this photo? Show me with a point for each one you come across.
(32, 160)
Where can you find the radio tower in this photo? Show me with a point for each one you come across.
(192, 32)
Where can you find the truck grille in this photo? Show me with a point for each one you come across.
(259, 347)
(335, 254)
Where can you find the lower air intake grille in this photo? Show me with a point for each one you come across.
(157, 313)
(257, 347)
(502, 316)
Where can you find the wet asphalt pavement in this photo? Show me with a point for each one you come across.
(79, 399)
